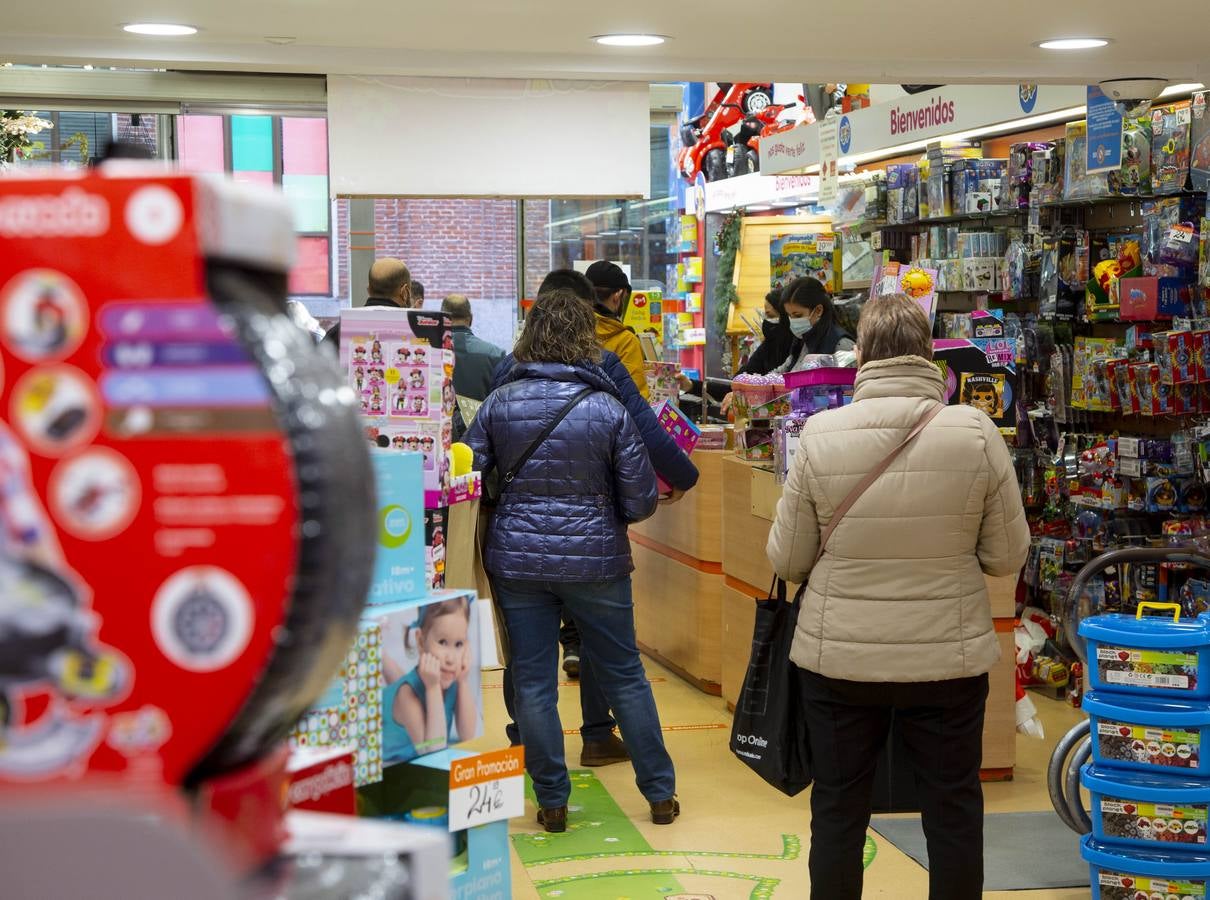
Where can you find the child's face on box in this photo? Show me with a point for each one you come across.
(446, 638)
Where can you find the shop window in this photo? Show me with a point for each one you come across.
(284, 150)
(80, 138)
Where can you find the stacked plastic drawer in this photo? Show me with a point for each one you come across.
(1149, 779)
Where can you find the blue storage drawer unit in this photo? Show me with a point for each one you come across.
(1125, 874)
(1149, 734)
(1133, 809)
(1149, 657)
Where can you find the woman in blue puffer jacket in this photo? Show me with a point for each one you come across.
(558, 539)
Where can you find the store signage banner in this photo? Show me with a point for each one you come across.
(487, 137)
(487, 788)
(732, 193)
(829, 152)
(910, 119)
(1104, 146)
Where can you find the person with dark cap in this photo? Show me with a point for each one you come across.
(612, 290)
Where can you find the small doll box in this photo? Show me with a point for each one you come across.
(1149, 735)
(1147, 810)
(1139, 299)
(1149, 656)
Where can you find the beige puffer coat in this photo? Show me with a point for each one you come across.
(899, 594)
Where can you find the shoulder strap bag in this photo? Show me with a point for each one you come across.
(571, 404)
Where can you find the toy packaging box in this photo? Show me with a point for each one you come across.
(149, 510)
(401, 649)
(399, 564)
(662, 383)
(321, 779)
(1199, 140)
(1078, 183)
(797, 255)
(349, 712)
(436, 536)
(419, 792)
(903, 185)
(1170, 150)
(681, 429)
(984, 380)
(430, 651)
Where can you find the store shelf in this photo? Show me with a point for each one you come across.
(993, 216)
(1113, 201)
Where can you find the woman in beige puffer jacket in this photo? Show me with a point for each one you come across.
(895, 616)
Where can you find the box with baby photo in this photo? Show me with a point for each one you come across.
(432, 696)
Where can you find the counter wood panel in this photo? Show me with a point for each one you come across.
(678, 615)
(693, 525)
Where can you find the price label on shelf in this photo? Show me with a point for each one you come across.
(487, 788)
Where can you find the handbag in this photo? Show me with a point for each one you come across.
(769, 732)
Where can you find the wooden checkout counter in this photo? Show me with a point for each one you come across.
(700, 564)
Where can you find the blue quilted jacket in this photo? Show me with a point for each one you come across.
(669, 460)
(565, 515)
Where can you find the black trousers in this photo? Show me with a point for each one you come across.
(569, 636)
(941, 723)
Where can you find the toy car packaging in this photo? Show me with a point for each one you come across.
(186, 503)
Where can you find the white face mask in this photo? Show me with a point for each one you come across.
(800, 327)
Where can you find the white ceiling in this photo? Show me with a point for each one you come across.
(887, 41)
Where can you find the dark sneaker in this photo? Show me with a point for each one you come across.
(665, 812)
(554, 820)
(604, 753)
(571, 663)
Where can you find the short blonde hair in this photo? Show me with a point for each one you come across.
(891, 326)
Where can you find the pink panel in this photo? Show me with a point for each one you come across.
(304, 146)
(310, 274)
(200, 143)
(253, 177)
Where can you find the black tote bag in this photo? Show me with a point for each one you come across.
(769, 732)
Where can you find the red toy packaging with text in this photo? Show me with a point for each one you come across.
(158, 608)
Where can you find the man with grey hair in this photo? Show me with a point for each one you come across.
(475, 360)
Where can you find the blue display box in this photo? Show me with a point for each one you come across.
(399, 572)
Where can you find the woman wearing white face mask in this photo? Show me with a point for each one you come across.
(809, 312)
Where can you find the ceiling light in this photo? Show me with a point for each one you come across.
(629, 40)
(87, 67)
(1084, 43)
(758, 207)
(156, 29)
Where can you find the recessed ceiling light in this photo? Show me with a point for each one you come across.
(629, 40)
(159, 29)
(1083, 43)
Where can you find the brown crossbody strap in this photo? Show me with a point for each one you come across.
(872, 476)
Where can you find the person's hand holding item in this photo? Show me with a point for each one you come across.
(673, 497)
(685, 382)
(430, 671)
(726, 404)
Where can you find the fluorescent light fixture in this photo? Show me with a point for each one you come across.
(159, 29)
(629, 40)
(758, 207)
(1079, 43)
(1181, 89)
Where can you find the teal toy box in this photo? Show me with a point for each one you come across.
(418, 792)
(399, 561)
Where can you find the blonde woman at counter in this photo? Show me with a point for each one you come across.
(895, 612)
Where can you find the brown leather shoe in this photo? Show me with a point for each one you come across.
(554, 820)
(604, 753)
(665, 811)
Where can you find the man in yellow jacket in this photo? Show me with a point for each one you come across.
(613, 293)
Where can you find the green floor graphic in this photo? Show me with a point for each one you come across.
(598, 829)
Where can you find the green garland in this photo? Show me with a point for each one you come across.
(725, 294)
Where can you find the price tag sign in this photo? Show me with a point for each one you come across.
(487, 788)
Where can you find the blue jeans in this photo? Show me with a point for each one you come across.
(605, 613)
(597, 723)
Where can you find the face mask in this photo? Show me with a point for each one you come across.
(800, 327)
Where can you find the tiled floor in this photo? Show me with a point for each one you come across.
(728, 810)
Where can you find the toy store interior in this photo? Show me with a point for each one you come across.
(290, 306)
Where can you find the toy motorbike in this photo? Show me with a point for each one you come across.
(702, 147)
(743, 140)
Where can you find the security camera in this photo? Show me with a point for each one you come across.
(1132, 97)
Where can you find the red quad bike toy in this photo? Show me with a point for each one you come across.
(743, 140)
(703, 148)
